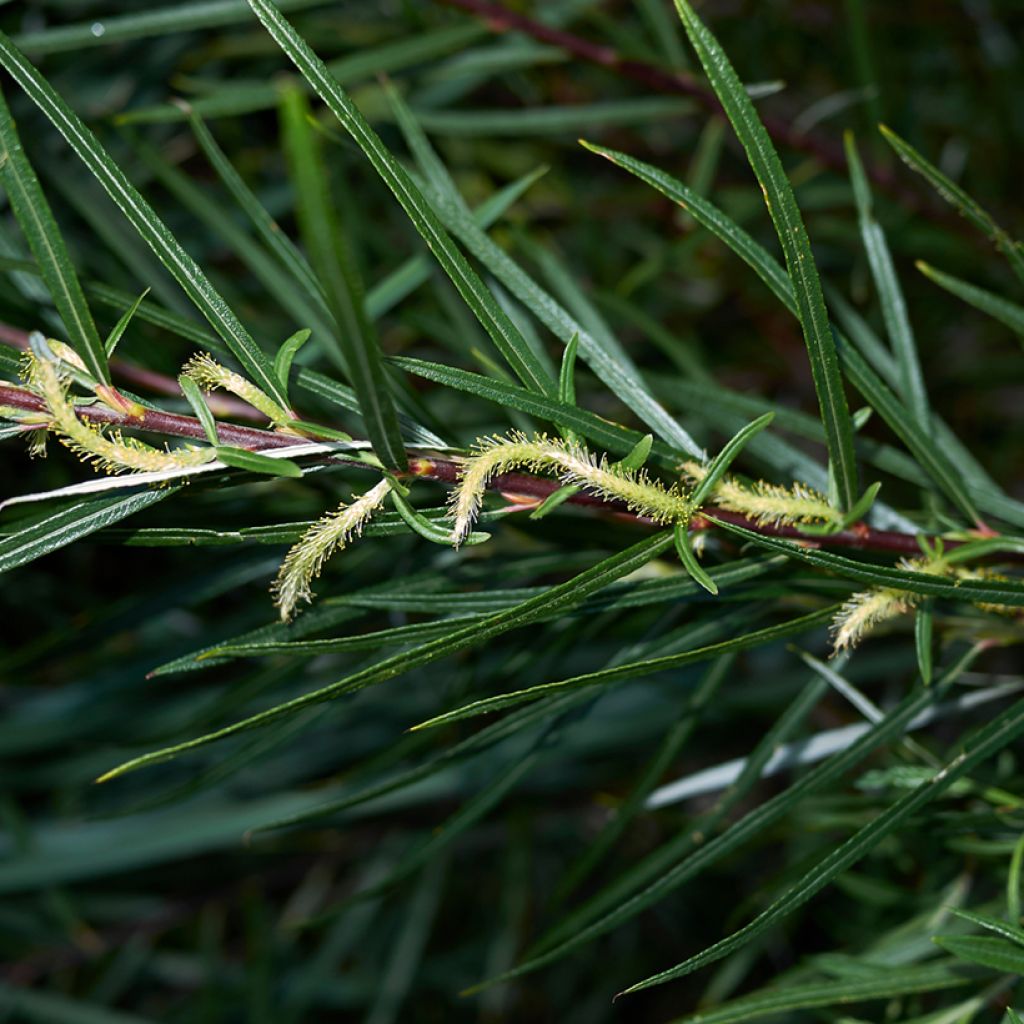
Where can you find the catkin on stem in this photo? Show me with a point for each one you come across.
(573, 465)
(306, 558)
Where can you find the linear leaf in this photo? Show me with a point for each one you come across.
(978, 591)
(1006, 312)
(958, 199)
(602, 352)
(331, 254)
(988, 741)
(890, 294)
(497, 324)
(620, 440)
(558, 597)
(987, 950)
(143, 218)
(47, 244)
(796, 247)
(887, 984)
(69, 524)
(634, 670)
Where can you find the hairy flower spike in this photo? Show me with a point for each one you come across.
(768, 504)
(210, 375)
(307, 556)
(573, 465)
(112, 452)
(865, 610)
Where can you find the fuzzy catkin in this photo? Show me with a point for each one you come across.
(573, 465)
(306, 558)
(768, 504)
(111, 451)
(210, 375)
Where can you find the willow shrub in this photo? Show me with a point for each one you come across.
(702, 678)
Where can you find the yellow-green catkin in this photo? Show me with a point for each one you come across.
(572, 464)
(768, 504)
(210, 375)
(110, 451)
(306, 558)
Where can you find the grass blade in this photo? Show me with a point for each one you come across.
(835, 992)
(44, 238)
(332, 257)
(796, 247)
(144, 219)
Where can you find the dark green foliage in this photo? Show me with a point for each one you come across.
(580, 756)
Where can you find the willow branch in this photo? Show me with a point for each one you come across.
(517, 488)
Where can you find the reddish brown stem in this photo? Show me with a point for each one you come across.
(150, 380)
(516, 487)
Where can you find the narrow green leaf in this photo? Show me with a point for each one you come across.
(59, 529)
(1006, 312)
(924, 618)
(143, 25)
(999, 733)
(190, 389)
(958, 199)
(668, 873)
(862, 506)
(796, 247)
(988, 951)
(976, 591)
(332, 257)
(116, 332)
(253, 462)
(143, 218)
(776, 1002)
(234, 98)
(504, 334)
(1013, 879)
(681, 536)
(602, 352)
(51, 254)
(638, 454)
(1013, 932)
(724, 459)
(890, 294)
(567, 373)
(634, 670)
(286, 355)
(553, 500)
(425, 528)
(276, 241)
(601, 431)
(533, 609)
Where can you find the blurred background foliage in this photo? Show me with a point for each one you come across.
(163, 896)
